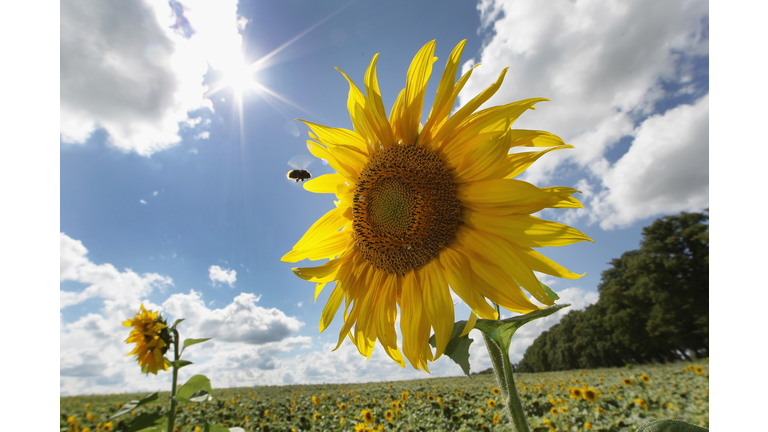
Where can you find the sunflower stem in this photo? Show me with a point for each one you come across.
(503, 370)
(172, 412)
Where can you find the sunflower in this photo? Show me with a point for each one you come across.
(367, 416)
(491, 404)
(316, 401)
(151, 336)
(627, 381)
(553, 411)
(389, 415)
(641, 403)
(315, 416)
(343, 406)
(645, 378)
(588, 426)
(699, 370)
(589, 395)
(496, 391)
(496, 419)
(422, 208)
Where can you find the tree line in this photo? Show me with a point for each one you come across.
(653, 306)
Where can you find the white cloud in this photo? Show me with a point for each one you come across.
(125, 70)
(601, 63)
(125, 288)
(143, 202)
(665, 171)
(240, 321)
(220, 275)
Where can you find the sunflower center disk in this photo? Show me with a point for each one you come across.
(405, 208)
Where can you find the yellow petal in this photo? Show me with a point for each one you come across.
(326, 183)
(456, 119)
(329, 247)
(329, 223)
(437, 303)
(349, 172)
(534, 138)
(459, 275)
(416, 85)
(507, 192)
(470, 324)
(376, 106)
(385, 316)
(411, 309)
(524, 230)
(329, 136)
(516, 163)
(484, 159)
(542, 264)
(331, 307)
(327, 272)
(445, 97)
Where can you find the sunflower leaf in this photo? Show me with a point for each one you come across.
(458, 347)
(180, 364)
(190, 342)
(501, 331)
(146, 422)
(193, 390)
(670, 425)
(551, 294)
(130, 406)
(175, 323)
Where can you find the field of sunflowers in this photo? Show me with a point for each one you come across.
(612, 399)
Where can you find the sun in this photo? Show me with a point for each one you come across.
(239, 77)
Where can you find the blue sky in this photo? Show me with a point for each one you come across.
(176, 196)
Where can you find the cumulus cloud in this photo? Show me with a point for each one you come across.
(128, 68)
(103, 280)
(240, 321)
(220, 275)
(665, 171)
(606, 67)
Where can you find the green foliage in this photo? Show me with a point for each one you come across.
(653, 306)
(458, 347)
(673, 391)
(132, 405)
(670, 425)
(196, 389)
(190, 342)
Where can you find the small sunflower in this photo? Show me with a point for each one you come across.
(588, 426)
(389, 415)
(641, 403)
(590, 395)
(645, 378)
(108, 426)
(151, 336)
(367, 416)
(360, 427)
(430, 398)
(316, 401)
(496, 419)
(699, 370)
(599, 410)
(343, 406)
(422, 208)
(491, 403)
(496, 391)
(576, 393)
(553, 411)
(627, 381)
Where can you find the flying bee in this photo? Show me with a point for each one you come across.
(299, 173)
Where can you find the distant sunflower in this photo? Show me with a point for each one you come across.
(641, 403)
(367, 416)
(590, 395)
(343, 406)
(496, 419)
(627, 381)
(315, 416)
(424, 207)
(389, 415)
(496, 391)
(699, 370)
(151, 336)
(491, 404)
(645, 378)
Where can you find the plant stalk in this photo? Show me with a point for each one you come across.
(172, 412)
(503, 370)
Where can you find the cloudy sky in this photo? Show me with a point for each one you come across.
(172, 182)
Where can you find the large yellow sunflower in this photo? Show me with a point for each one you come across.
(151, 337)
(422, 208)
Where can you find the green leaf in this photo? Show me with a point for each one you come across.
(146, 422)
(458, 347)
(191, 389)
(130, 406)
(214, 428)
(190, 342)
(199, 396)
(180, 364)
(177, 322)
(669, 425)
(551, 294)
(502, 331)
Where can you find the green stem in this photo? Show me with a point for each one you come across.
(503, 369)
(172, 413)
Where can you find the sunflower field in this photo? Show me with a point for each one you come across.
(610, 399)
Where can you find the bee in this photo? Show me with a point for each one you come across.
(299, 173)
